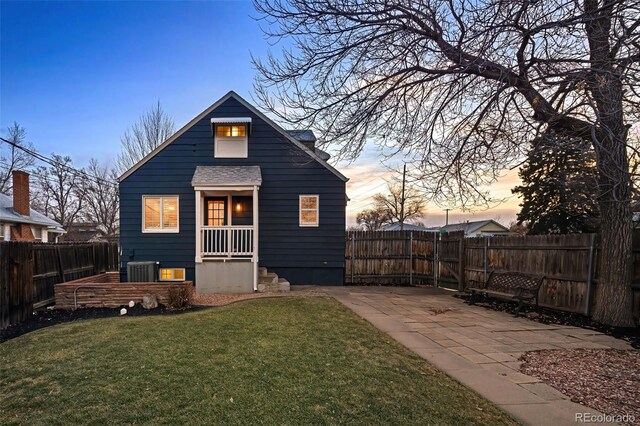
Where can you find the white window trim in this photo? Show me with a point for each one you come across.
(317, 209)
(184, 274)
(235, 139)
(161, 230)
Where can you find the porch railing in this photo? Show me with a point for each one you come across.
(227, 241)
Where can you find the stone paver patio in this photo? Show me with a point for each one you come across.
(476, 346)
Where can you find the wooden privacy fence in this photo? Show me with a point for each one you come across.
(389, 257)
(16, 285)
(29, 272)
(568, 262)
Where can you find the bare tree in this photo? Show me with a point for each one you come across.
(13, 158)
(101, 198)
(374, 218)
(398, 206)
(61, 196)
(154, 127)
(462, 86)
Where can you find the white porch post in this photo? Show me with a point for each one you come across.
(255, 238)
(198, 226)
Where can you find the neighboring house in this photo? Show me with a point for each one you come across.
(232, 191)
(18, 221)
(406, 227)
(86, 232)
(481, 228)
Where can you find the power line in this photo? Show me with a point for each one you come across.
(54, 163)
(32, 173)
(368, 190)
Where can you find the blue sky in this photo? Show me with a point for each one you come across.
(77, 74)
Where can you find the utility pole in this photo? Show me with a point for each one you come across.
(404, 177)
(447, 217)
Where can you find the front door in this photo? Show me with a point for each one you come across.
(215, 211)
(215, 214)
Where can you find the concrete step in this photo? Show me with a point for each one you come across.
(268, 278)
(269, 282)
(283, 285)
(279, 287)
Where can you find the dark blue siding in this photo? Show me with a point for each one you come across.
(301, 255)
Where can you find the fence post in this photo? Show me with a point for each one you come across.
(93, 259)
(60, 267)
(411, 258)
(435, 259)
(353, 250)
(486, 248)
(587, 303)
(461, 260)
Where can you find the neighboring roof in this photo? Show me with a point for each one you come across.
(324, 155)
(308, 137)
(227, 176)
(82, 235)
(467, 227)
(303, 135)
(407, 227)
(251, 108)
(7, 214)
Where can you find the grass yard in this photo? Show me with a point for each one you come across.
(305, 360)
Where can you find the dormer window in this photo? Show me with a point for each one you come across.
(231, 131)
(231, 137)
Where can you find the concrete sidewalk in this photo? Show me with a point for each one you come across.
(476, 346)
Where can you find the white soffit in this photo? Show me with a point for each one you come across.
(230, 120)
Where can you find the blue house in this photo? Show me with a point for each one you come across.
(230, 192)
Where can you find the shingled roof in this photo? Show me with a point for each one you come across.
(227, 176)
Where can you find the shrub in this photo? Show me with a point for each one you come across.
(180, 298)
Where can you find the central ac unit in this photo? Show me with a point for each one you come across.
(142, 272)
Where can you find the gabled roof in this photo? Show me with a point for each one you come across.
(8, 214)
(468, 227)
(251, 108)
(395, 226)
(227, 175)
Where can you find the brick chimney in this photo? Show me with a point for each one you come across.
(21, 192)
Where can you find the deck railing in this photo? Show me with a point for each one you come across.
(227, 241)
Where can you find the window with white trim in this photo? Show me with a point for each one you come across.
(309, 210)
(230, 141)
(172, 274)
(37, 233)
(160, 213)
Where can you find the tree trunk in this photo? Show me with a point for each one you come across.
(614, 298)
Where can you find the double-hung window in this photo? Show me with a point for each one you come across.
(309, 210)
(160, 213)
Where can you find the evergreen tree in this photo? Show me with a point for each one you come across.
(559, 183)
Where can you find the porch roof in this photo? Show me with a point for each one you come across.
(227, 176)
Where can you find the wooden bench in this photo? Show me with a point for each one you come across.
(516, 286)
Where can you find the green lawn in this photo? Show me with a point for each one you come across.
(304, 360)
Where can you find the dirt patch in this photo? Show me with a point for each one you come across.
(548, 316)
(606, 380)
(48, 317)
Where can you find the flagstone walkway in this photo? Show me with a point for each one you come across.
(476, 346)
